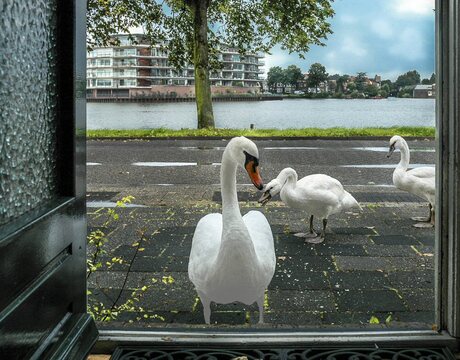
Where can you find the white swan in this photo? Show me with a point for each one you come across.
(233, 257)
(419, 181)
(320, 195)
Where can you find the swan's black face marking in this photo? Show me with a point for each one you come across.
(392, 149)
(251, 164)
(250, 158)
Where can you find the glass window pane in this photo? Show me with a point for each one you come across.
(28, 106)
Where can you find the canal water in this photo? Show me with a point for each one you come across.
(294, 113)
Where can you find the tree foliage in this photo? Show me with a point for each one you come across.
(275, 75)
(247, 25)
(293, 75)
(360, 81)
(407, 79)
(316, 75)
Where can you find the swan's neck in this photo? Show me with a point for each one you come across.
(230, 207)
(405, 157)
(236, 244)
(291, 182)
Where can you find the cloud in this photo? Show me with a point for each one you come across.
(382, 28)
(353, 46)
(415, 7)
(347, 19)
(411, 45)
(277, 58)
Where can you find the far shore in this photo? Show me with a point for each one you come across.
(337, 132)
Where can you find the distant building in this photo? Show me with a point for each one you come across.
(139, 68)
(424, 91)
(303, 85)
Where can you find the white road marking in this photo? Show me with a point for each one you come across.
(164, 164)
(292, 148)
(384, 166)
(385, 149)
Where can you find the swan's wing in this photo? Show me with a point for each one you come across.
(422, 172)
(320, 188)
(423, 186)
(262, 238)
(205, 247)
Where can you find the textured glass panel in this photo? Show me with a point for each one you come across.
(27, 105)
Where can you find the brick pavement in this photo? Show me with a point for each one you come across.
(372, 263)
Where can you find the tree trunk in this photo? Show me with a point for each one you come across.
(201, 63)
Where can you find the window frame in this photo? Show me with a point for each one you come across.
(447, 283)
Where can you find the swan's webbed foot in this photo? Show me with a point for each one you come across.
(318, 239)
(421, 218)
(424, 225)
(306, 235)
(311, 234)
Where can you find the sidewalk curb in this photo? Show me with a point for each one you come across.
(175, 138)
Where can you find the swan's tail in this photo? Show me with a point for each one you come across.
(350, 202)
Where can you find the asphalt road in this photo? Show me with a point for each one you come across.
(196, 162)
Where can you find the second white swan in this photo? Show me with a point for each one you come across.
(320, 195)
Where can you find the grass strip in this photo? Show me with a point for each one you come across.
(339, 132)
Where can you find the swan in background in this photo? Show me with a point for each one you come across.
(233, 256)
(320, 195)
(419, 181)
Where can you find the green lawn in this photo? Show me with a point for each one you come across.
(307, 132)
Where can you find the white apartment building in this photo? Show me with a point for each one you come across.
(141, 66)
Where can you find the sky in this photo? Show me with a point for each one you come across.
(385, 37)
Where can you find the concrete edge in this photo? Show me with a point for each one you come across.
(153, 138)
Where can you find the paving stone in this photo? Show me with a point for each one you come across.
(233, 307)
(394, 240)
(161, 298)
(228, 318)
(327, 248)
(358, 280)
(424, 317)
(310, 280)
(137, 280)
(353, 231)
(347, 318)
(343, 239)
(419, 279)
(191, 318)
(419, 299)
(407, 264)
(107, 279)
(369, 263)
(299, 266)
(288, 318)
(390, 250)
(369, 300)
(153, 317)
(307, 300)
(426, 239)
(157, 264)
(294, 248)
(104, 295)
(425, 250)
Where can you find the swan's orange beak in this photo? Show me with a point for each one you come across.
(253, 172)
